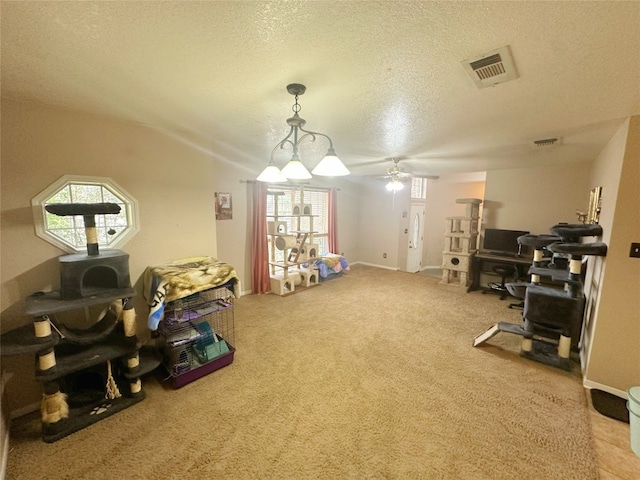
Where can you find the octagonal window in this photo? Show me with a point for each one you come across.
(68, 232)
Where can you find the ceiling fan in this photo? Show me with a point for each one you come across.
(398, 176)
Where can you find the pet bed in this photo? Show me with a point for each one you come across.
(331, 264)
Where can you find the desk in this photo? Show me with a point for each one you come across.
(484, 262)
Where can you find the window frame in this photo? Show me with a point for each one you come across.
(39, 202)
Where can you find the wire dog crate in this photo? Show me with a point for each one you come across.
(197, 334)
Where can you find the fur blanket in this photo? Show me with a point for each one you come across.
(170, 281)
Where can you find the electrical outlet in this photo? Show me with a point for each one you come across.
(635, 250)
(384, 255)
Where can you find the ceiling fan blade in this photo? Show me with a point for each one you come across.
(368, 164)
(429, 177)
(378, 161)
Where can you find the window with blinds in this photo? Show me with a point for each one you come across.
(286, 198)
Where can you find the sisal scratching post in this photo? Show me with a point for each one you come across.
(129, 319)
(42, 327)
(564, 346)
(136, 386)
(133, 363)
(47, 359)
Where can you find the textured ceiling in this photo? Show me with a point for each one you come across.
(383, 79)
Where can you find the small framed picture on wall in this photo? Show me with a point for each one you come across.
(224, 211)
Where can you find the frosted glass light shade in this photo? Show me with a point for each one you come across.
(395, 185)
(271, 174)
(331, 166)
(295, 170)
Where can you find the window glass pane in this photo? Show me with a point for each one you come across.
(109, 197)
(86, 193)
(54, 222)
(419, 188)
(63, 196)
(102, 236)
(67, 232)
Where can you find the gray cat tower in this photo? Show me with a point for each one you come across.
(553, 300)
(91, 371)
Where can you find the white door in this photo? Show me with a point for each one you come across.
(416, 237)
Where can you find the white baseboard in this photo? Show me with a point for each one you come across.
(375, 265)
(591, 385)
(5, 454)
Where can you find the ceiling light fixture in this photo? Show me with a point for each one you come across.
(329, 166)
(395, 185)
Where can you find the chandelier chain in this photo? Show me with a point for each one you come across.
(296, 106)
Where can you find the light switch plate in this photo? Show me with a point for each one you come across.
(635, 250)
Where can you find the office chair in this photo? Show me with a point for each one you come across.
(501, 288)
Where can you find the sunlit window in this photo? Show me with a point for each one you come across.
(285, 198)
(418, 188)
(68, 232)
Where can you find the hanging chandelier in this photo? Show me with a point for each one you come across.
(329, 166)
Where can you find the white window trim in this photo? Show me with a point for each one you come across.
(39, 212)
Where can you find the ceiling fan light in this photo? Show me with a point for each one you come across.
(271, 174)
(331, 166)
(394, 185)
(295, 170)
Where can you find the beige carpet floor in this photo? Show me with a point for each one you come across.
(368, 376)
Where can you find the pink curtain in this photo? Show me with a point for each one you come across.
(260, 282)
(333, 221)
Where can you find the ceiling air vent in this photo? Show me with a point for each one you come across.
(491, 68)
(546, 142)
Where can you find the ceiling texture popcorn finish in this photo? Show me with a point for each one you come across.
(387, 77)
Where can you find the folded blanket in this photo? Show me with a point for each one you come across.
(170, 281)
(331, 260)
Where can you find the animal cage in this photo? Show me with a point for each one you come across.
(197, 334)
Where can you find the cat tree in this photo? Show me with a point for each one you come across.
(460, 244)
(92, 371)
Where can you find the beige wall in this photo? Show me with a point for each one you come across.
(536, 198)
(170, 175)
(384, 218)
(441, 203)
(380, 222)
(612, 350)
(232, 233)
(349, 193)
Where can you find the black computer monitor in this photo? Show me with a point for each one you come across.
(503, 241)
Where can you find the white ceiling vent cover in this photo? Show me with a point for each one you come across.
(491, 68)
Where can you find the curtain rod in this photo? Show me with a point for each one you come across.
(294, 185)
